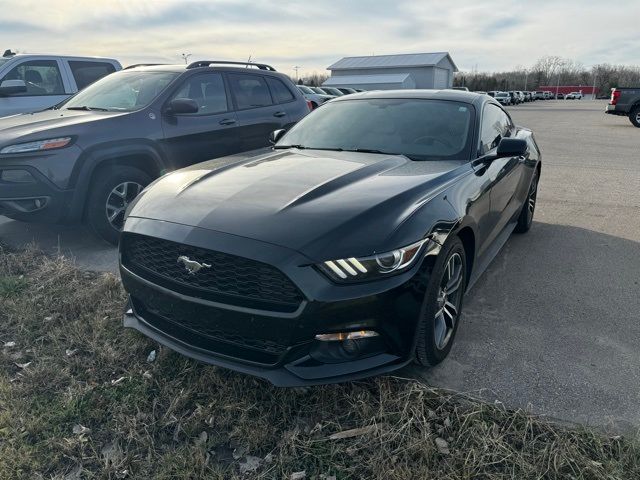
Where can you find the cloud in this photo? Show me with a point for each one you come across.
(493, 34)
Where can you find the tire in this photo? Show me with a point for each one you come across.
(528, 209)
(634, 116)
(112, 190)
(440, 314)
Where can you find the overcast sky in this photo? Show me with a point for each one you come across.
(490, 34)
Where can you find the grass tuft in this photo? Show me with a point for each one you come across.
(78, 399)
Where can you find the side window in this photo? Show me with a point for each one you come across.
(280, 92)
(85, 73)
(42, 77)
(207, 90)
(495, 125)
(251, 91)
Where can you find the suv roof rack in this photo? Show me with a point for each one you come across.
(143, 65)
(206, 63)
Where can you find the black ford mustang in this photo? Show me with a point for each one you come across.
(342, 253)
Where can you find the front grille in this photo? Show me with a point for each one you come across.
(197, 327)
(230, 279)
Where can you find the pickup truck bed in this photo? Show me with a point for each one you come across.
(626, 102)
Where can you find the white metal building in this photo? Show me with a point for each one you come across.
(388, 72)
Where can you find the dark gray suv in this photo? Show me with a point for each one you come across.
(88, 157)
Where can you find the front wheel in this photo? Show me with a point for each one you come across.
(111, 192)
(528, 209)
(634, 116)
(442, 305)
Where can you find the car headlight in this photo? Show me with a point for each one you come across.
(49, 144)
(349, 270)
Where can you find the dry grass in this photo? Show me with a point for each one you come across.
(146, 420)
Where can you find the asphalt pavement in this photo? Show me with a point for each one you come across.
(554, 323)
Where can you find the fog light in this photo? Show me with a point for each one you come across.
(342, 336)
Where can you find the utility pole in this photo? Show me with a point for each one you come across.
(185, 57)
(526, 78)
(296, 69)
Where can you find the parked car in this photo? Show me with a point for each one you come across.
(493, 93)
(343, 253)
(29, 83)
(481, 92)
(332, 91)
(548, 95)
(322, 91)
(540, 95)
(574, 96)
(515, 98)
(462, 89)
(559, 96)
(346, 90)
(88, 157)
(503, 97)
(626, 102)
(316, 99)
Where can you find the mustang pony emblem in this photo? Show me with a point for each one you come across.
(192, 266)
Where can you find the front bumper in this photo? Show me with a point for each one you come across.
(278, 346)
(43, 193)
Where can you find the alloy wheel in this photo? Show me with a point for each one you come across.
(448, 301)
(118, 201)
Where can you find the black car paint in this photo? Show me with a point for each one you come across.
(149, 138)
(294, 208)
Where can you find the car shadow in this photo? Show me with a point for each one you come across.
(72, 241)
(553, 325)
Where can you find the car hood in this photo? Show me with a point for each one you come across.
(45, 124)
(303, 200)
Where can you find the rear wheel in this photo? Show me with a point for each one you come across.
(442, 305)
(634, 116)
(528, 209)
(110, 194)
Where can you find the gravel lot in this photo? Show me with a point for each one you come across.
(554, 323)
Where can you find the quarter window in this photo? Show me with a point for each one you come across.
(250, 91)
(496, 125)
(280, 92)
(42, 77)
(208, 91)
(85, 73)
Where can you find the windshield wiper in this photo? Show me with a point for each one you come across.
(89, 109)
(299, 147)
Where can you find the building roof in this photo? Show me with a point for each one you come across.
(392, 61)
(366, 79)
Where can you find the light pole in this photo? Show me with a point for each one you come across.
(296, 69)
(526, 78)
(185, 57)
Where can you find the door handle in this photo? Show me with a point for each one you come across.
(279, 114)
(227, 121)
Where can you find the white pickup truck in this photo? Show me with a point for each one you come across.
(29, 83)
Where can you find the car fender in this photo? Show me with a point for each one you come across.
(97, 156)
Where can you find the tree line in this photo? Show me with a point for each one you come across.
(551, 71)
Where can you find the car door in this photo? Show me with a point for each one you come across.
(504, 174)
(45, 86)
(209, 133)
(258, 115)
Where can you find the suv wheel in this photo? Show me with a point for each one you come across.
(110, 194)
(634, 116)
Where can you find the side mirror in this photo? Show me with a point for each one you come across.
(179, 106)
(276, 135)
(12, 87)
(512, 147)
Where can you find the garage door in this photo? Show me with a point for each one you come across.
(441, 79)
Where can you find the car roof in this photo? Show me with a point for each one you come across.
(66, 57)
(452, 95)
(180, 68)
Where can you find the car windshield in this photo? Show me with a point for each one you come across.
(420, 129)
(305, 89)
(123, 91)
